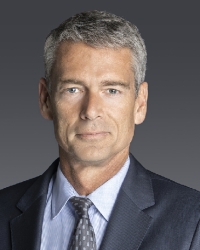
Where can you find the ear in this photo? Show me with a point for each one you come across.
(44, 100)
(141, 103)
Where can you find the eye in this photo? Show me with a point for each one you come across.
(113, 91)
(72, 90)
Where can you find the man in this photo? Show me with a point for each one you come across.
(95, 93)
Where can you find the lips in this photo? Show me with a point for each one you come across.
(92, 135)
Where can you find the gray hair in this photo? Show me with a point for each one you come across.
(98, 29)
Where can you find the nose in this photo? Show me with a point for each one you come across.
(91, 107)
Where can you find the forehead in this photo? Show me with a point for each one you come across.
(72, 58)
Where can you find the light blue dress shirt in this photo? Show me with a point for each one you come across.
(59, 218)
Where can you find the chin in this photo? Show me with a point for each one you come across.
(94, 156)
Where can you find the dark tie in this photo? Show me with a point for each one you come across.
(84, 237)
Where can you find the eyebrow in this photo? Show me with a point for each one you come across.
(74, 81)
(116, 83)
(103, 83)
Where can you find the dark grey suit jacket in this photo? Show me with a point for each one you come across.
(151, 212)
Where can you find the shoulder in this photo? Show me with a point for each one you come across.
(17, 188)
(167, 194)
(179, 204)
(13, 193)
(10, 196)
(165, 187)
(171, 188)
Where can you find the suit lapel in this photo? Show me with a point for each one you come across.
(128, 223)
(27, 227)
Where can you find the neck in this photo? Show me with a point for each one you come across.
(85, 177)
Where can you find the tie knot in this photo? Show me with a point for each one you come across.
(81, 206)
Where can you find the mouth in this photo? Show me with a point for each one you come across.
(92, 135)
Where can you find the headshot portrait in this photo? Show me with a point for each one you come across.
(99, 131)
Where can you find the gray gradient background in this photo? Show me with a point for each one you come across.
(168, 142)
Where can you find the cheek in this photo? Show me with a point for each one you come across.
(123, 119)
(126, 120)
(59, 119)
(64, 119)
(127, 126)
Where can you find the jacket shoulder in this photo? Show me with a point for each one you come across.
(166, 181)
(168, 190)
(10, 196)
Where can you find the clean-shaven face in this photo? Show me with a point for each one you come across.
(93, 102)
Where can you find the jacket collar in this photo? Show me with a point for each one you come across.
(138, 185)
(128, 223)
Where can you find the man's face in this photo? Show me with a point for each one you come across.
(93, 102)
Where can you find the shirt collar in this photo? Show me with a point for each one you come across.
(103, 197)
